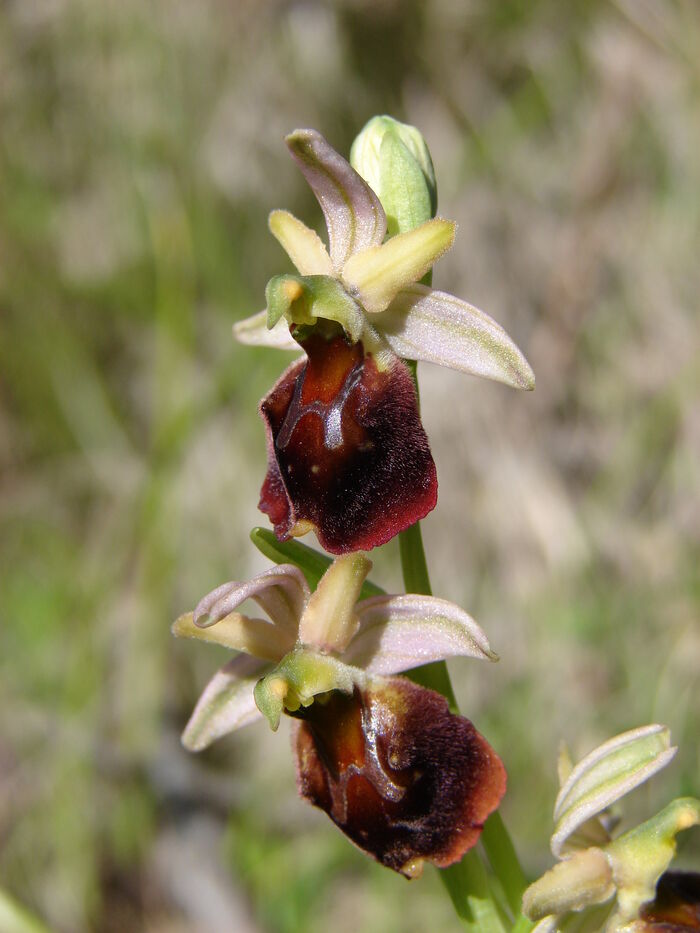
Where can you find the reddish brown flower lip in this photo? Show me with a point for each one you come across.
(401, 776)
(676, 907)
(347, 453)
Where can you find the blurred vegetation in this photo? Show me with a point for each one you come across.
(140, 152)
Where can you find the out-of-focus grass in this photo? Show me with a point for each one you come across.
(140, 152)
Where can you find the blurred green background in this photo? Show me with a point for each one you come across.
(140, 152)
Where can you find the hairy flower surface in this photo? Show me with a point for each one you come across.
(676, 906)
(402, 776)
(612, 877)
(348, 455)
(348, 410)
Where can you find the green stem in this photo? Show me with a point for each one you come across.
(413, 563)
(466, 882)
(416, 580)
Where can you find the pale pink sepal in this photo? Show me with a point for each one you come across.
(354, 216)
(281, 591)
(226, 704)
(397, 633)
(605, 775)
(424, 324)
(254, 332)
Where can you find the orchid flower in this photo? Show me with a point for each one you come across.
(402, 776)
(347, 453)
(605, 882)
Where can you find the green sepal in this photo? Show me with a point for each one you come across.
(311, 562)
(301, 676)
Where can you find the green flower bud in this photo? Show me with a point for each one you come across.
(394, 160)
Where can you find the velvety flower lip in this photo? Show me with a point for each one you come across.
(368, 760)
(403, 777)
(676, 906)
(347, 453)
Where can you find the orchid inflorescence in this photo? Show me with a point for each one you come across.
(396, 769)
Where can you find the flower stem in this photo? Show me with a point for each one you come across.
(413, 563)
(416, 580)
(466, 882)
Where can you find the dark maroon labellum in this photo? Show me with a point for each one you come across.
(347, 453)
(403, 777)
(676, 907)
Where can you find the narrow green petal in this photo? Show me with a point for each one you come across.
(303, 245)
(564, 763)
(424, 324)
(580, 881)
(253, 636)
(376, 275)
(330, 620)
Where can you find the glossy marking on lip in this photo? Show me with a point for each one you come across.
(347, 454)
(330, 413)
(405, 779)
